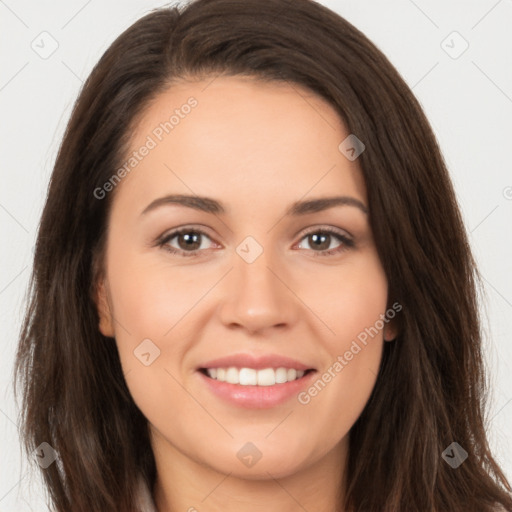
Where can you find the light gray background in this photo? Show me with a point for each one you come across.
(467, 99)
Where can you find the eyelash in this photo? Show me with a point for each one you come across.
(347, 243)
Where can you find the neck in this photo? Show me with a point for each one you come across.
(185, 485)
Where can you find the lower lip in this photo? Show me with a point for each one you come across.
(257, 397)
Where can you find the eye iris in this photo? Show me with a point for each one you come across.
(189, 238)
(317, 238)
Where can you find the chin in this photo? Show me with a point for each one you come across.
(271, 463)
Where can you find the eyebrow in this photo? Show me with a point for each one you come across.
(209, 205)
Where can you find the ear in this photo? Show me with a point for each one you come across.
(106, 324)
(390, 330)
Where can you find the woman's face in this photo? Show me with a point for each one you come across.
(256, 282)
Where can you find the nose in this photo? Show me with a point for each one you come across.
(259, 297)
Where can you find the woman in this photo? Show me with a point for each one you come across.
(252, 286)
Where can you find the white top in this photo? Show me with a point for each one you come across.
(145, 502)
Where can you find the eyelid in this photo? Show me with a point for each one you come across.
(329, 229)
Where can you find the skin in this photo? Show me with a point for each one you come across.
(257, 148)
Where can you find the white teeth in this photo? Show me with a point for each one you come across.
(266, 377)
(281, 376)
(291, 373)
(232, 376)
(252, 377)
(248, 377)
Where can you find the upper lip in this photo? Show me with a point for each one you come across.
(257, 362)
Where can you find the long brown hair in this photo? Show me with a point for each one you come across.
(431, 389)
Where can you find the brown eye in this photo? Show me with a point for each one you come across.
(320, 241)
(188, 241)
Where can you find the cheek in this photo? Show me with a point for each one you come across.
(348, 300)
(352, 304)
(146, 307)
(149, 299)
(150, 311)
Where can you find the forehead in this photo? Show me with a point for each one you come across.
(253, 140)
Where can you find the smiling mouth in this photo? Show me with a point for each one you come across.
(252, 377)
